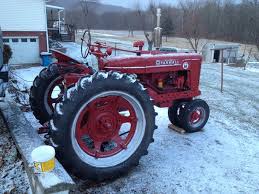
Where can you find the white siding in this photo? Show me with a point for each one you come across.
(30, 55)
(22, 15)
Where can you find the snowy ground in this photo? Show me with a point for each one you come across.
(221, 159)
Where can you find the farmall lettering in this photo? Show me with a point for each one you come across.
(168, 62)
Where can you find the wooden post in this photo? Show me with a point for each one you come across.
(222, 71)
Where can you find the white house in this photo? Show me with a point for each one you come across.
(24, 27)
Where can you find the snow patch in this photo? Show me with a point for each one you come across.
(117, 75)
(253, 69)
(52, 143)
(102, 75)
(58, 109)
(131, 78)
(86, 80)
(69, 91)
(149, 56)
(142, 87)
(49, 179)
(101, 34)
(53, 127)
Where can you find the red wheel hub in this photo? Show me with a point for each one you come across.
(196, 116)
(105, 127)
(51, 100)
(99, 126)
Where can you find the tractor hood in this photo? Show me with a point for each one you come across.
(158, 62)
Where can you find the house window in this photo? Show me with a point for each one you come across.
(15, 40)
(33, 40)
(24, 40)
(6, 40)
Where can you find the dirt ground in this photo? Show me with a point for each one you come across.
(13, 178)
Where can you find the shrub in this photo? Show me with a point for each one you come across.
(7, 53)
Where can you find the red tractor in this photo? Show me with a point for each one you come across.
(102, 122)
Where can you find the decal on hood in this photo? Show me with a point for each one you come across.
(167, 62)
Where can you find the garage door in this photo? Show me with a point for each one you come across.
(25, 49)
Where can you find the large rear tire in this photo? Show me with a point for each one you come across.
(41, 98)
(89, 127)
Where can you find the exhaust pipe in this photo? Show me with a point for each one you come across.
(158, 31)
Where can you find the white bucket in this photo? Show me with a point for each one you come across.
(43, 158)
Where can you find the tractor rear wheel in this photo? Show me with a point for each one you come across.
(104, 126)
(47, 89)
(196, 115)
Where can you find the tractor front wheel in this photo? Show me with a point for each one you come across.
(175, 112)
(104, 126)
(195, 116)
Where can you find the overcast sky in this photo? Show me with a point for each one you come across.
(131, 3)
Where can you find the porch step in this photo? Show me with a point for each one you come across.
(66, 38)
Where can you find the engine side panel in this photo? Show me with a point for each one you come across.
(167, 77)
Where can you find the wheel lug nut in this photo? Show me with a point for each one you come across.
(108, 125)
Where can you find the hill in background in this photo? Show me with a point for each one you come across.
(99, 7)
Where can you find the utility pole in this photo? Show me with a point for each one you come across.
(222, 72)
(221, 50)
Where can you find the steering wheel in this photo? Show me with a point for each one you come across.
(85, 44)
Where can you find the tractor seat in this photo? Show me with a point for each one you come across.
(139, 44)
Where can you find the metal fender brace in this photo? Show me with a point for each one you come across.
(71, 78)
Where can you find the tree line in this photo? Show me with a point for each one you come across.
(192, 19)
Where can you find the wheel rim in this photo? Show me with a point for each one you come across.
(197, 117)
(53, 94)
(102, 135)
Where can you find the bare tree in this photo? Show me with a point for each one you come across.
(129, 24)
(85, 4)
(248, 58)
(143, 16)
(167, 22)
(227, 20)
(85, 10)
(254, 20)
(192, 22)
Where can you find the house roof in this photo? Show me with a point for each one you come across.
(54, 7)
(216, 46)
